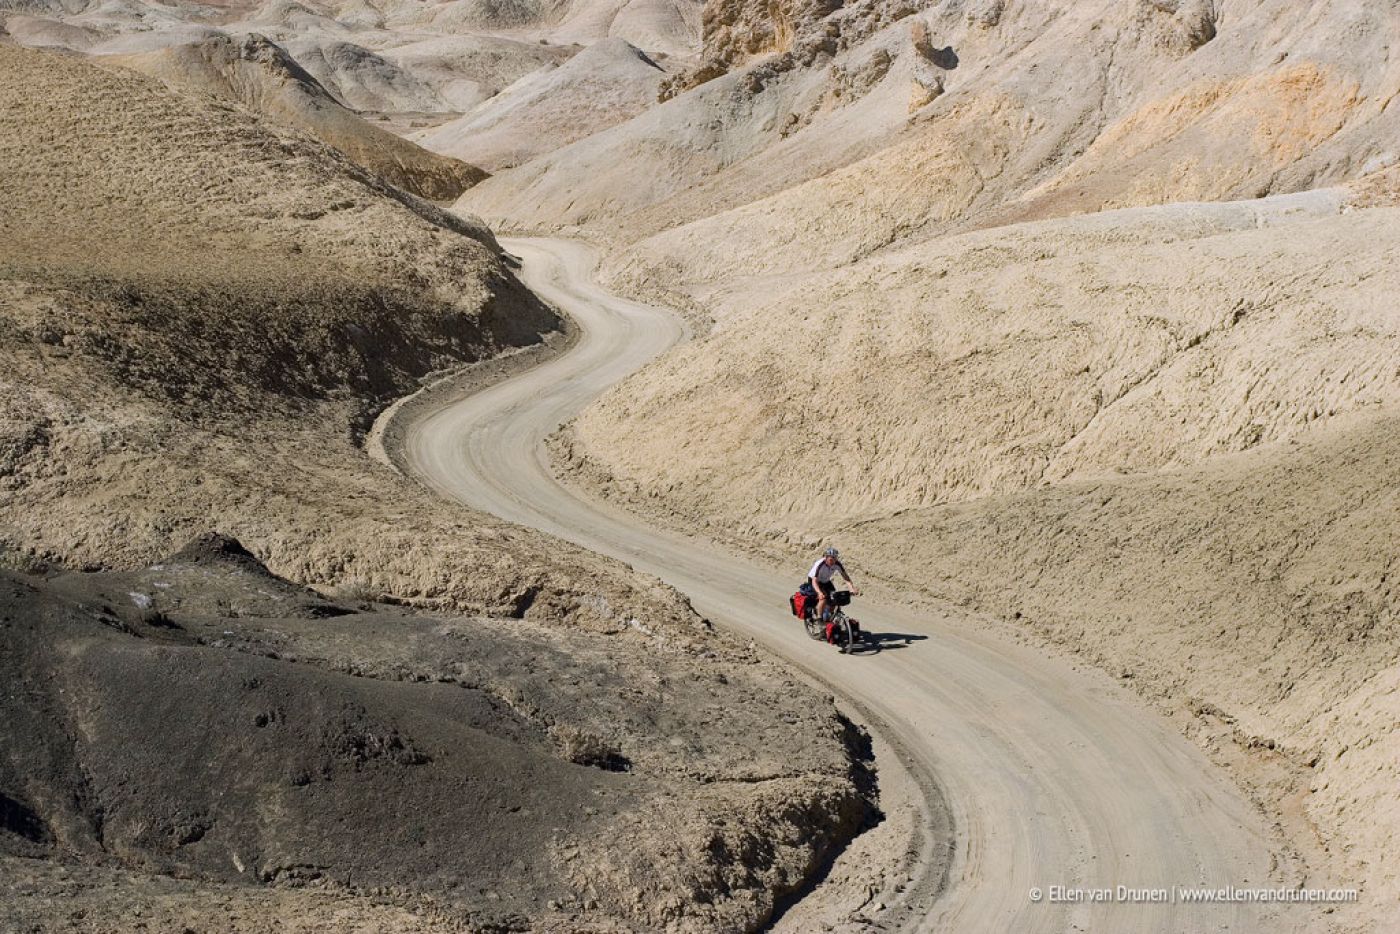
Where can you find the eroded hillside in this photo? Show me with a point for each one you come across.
(1076, 314)
(262, 76)
(347, 72)
(200, 314)
(211, 693)
(885, 121)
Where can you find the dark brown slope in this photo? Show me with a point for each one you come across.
(223, 725)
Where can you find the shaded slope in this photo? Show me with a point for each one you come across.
(173, 262)
(232, 728)
(258, 74)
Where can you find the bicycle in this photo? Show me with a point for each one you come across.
(845, 632)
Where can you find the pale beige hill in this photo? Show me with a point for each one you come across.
(105, 27)
(934, 175)
(129, 14)
(260, 75)
(200, 313)
(664, 28)
(1156, 435)
(363, 80)
(287, 19)
(667, 28)
(109, 26)
(459, 16)
(1121, 342)
(878, 123)
(133, 42)
(466, 70)
(40, 32)
(716, 147)
(601, 86)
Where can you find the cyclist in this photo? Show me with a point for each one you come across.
(820, 580)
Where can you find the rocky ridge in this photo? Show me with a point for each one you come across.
(263, 77)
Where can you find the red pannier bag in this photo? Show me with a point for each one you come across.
(798, 602)
(831, 631)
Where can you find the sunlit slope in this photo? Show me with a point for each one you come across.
(1160, 436)
(878, 124)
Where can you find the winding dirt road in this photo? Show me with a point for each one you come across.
(1047, 775)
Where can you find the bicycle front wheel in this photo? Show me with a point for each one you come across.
(841, 632)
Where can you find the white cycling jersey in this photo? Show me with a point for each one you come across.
(824, 572)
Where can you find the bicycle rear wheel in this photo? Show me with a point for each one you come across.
(815, 629)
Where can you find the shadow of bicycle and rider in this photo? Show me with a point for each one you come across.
(894, 640)
(883, 641)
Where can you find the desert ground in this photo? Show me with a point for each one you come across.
(203, 311)
(1072, 324)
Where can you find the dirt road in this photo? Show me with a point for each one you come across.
(1047, 776)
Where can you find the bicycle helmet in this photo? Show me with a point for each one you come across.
(831, 553)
